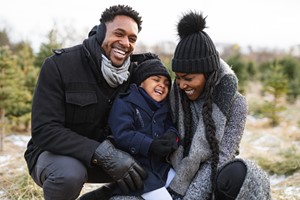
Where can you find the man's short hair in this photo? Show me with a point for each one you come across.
(110, 13)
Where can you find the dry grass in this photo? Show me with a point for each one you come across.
(20, 186)
(16, 183)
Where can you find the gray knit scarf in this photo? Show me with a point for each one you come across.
(187, 167)
(114, 76)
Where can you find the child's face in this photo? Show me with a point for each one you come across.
(156, 87)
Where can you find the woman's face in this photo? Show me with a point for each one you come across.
(192, 84)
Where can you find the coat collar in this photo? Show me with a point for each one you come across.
(135, 97)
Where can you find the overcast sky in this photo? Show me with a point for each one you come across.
(259, 23)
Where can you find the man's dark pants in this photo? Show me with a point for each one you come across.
(62, 177)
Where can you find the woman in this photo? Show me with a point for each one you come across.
(210, 114)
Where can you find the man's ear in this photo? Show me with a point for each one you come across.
(99, 31)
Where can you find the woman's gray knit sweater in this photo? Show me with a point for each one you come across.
(192, 178)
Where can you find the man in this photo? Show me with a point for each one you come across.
(73, 96)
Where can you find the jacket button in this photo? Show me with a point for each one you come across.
(58, 51)
(132, 149)
(95, 161)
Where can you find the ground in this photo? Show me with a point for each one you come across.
(259, 140)
(262, 141)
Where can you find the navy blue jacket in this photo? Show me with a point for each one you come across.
(134, 126)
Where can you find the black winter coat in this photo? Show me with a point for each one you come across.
(134, 125)
(71, 104)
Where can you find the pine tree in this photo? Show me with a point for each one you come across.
(15, 98)
(276, 85)
(21, 113)
(7, 84)
(46, 48)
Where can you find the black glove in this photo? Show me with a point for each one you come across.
(164, 145)
(174, 195)
(104, 192)
(172, 138)
(120, 166)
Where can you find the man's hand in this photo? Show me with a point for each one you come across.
(120, 166)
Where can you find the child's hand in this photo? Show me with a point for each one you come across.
(164, 145)
(160, 147)
(173, 140)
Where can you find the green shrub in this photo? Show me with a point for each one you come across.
(289, 164)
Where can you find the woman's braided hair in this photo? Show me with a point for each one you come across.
(210, 126)
(209, 123)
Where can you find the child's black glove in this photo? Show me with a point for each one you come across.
(164, 145)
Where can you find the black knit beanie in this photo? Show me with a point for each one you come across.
(195, 52)
(150, 67)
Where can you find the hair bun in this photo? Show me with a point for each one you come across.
(191, 22)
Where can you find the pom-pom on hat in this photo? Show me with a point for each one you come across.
(150, 67)
(195, 52)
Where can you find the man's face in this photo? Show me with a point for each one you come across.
(120, 39)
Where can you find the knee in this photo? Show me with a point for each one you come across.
(73, 181)
(61, 177)
(66, 186)
(229, 180)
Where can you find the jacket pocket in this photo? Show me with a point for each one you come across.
(81, 107)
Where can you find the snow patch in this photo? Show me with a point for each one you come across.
(4, 160)
(18, 140)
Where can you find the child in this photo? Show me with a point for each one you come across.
(141, 125)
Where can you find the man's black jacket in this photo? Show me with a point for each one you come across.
(71, 104)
